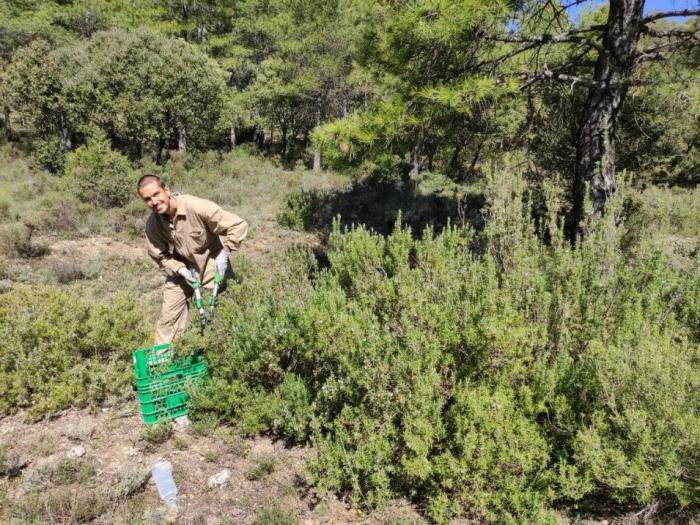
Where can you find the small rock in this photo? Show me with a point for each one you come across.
(182, 423)
(219, 479)
(131, 451)
(76, 452)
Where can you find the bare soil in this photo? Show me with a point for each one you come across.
(114, 445)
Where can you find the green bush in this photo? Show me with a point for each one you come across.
(16, 241)
(158, 433)
(300, 209)
(264, 466)
(48, 155)
(489, 375)
(62, 348)
(11, 463)
(100, 175)
(273, 514)
(293, 409)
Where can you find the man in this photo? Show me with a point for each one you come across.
(186, 233)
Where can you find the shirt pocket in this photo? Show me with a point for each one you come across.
(198, 240)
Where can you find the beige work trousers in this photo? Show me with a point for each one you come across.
(175, 311)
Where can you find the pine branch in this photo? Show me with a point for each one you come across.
(645, 56)
(669, 46)
(533, 76)
(677, 33)
(668, 14)
(552, 39)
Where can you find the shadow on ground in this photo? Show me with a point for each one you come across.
(377, 205)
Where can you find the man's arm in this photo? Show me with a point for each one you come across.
(159, 251)
(230, 228)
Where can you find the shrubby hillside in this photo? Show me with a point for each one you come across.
(489, 374)
(472, 280)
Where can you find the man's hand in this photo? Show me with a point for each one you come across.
(188, 275)
(221, 263)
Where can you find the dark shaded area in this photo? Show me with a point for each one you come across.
(377, 205)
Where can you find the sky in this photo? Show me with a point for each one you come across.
(649, 6)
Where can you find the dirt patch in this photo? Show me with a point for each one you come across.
(94, 247)
(91, 465)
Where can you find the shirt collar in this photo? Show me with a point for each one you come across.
(181, 206)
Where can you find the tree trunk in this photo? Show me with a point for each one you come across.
(259, 137)
(595, 147)
(317, 149)
(66, 142)
(232, 137)
(283, 130)
(181, 137)
(8, 124)
(415, 161)
(317, 159)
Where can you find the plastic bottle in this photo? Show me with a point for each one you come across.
(163, 476)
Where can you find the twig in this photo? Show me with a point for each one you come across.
(668, 14)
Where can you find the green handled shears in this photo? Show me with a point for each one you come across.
(199, 303)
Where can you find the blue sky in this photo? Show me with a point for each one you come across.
(649, 6)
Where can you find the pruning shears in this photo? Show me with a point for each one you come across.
(199, 303)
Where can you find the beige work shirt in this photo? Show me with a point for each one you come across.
(197, 233)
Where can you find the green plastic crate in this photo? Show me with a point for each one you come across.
(162, 388)
(149, 362)
(167, 402)
(177, 369)
(162, 382)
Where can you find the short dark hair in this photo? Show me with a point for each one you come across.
(147, 179)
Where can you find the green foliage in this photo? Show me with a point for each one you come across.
(293, 409)
(64, 92)
(275, 515)
(63, 348)
(300, 209)
(10, 462)
(204, 425)
(62, 504)
(16, 241)
(158, 433)
(49, 155)
(64, 472)
(489, 374)
(96, 173)
(264, 466)
(496, 458)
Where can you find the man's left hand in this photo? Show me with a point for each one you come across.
(221, 263)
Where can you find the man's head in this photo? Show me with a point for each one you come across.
(156, 195)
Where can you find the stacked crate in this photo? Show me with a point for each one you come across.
(163, 382)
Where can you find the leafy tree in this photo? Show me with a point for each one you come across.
(604, 60)
(38, 87)
(145, 91)
(98, 174)
(289, 65)
(432, 109)
(149, 92)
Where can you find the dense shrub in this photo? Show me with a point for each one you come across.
(16, 241)
(488, 383)
(99, 175)
(300, 209)
(167, 90)
(61, 348)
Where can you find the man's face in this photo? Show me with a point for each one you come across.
(156, 197)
